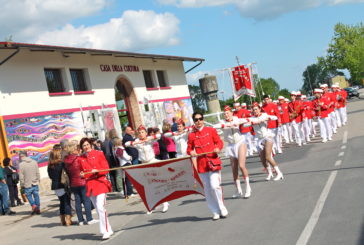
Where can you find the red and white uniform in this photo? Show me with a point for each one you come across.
(286, 127)
(205, 140)
(247, 131)
(260, 125)
(272, 110)
(145, 149)
(342, 106)
(321, 107)
(97, 185)
(296, 124)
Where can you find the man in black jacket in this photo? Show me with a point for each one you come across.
(129, 136)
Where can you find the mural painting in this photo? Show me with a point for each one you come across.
(180, 109)
(37, 135)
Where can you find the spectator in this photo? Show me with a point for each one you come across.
(130, 136)
(29, 179)
(108, 152)
(4, 197)
(150, 132)
(55, 168)
(163, 153)
(170, 145)
(78, 184)
(174, 125)
(12, 180)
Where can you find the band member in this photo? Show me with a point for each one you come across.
(246, 131)
(235, 150)
(284, 114)
(259, 121)
(307, 117)
(338, 96)
(206, 140)
(321, 107)
(331, 100)
(295, 114)
(272, 109)
(342, 106)
(97, 184)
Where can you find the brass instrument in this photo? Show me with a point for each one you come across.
(294, 114)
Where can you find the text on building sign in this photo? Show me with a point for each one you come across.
(119, 68)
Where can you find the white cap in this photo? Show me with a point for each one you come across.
(236, 104)
(335, 86)
(318, 90)
(294, 93)
(281, 97)
(287, 100)
(243, 104)
(303, 96)
(298, 93)
(324, 85)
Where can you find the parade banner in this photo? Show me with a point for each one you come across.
(242, 81)
(164, 181)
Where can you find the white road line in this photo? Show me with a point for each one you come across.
(345, 137)
(341, 154)
(112, 237)
(343, 147)
(310, 226)
(338, 163)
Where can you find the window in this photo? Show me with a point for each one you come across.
(54, 80)
(148, 78)
(78, 80)
(162, 80)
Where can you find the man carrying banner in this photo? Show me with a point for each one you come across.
(206, 140)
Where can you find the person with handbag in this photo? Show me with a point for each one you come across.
(206, 140)
(12, 180)
(77, 184)
(55, 171)
(92, 165)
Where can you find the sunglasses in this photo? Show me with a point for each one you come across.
(196, 119)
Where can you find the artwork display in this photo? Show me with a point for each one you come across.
(180, 109)
(37, 135)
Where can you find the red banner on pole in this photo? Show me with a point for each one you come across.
(164, 181)
(242, 81)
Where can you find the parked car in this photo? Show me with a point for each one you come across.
(352, 92)
(356, 87)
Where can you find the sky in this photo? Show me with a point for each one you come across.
(282, 36)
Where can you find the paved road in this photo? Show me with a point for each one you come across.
(320, 201)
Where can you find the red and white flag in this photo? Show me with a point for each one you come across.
(164, 181)
(242, 81)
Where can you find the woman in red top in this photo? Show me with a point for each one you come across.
(97, 184)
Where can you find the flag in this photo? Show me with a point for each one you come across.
(164, 181)
(242, 81)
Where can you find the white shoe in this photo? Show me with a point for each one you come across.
(248, 193)
(149, 212)
(81, 223)
(330, 139)
(269, 177)
(278, 177)
(279, 151)
(215, 216)
(224, 213)
(107, 235)
(324, 141)
(93, 221)
(165, 207)
(300, 144)
(238, 194)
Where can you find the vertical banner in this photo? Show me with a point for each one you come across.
(242, 81)
(164, 181)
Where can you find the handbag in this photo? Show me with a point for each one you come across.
(15, 178)
(65, 180)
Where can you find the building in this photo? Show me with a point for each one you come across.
(50, 93)
(341, 81)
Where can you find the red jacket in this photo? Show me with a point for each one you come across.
(322, 111)
(308, 107)
(284, 112)
(205, 140)
(73, 167)
(96, 183)
(342, 98)
(272, 109)
(329, 96)
(296, 106)
(244, 113)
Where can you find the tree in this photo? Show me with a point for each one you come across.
(317, 74)
(346, 50)
(198, 100)
(269, 86)
(284, 92)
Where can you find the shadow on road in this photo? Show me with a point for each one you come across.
(357, 111)
(185, 202)
(361, 238)
(126, 213)
(170, 220)
(81, 236)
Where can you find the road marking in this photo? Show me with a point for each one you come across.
(343, 147)
(345, 137)
(310, 226)
(341, 154)
(338, 163)
(112, 237)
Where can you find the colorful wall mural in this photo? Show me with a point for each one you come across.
(180, 109)
(37, 135)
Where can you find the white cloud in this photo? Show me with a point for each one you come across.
(134, 30)
(24, 19)
(259, 9)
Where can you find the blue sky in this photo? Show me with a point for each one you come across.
(282, 36)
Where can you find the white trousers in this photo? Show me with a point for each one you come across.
(325, 128)
(285, 132)
(213, 191)
(306, 129)
(338, 118)
(99, 203)
(333, 121)
(343, 116)
(297, 131)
